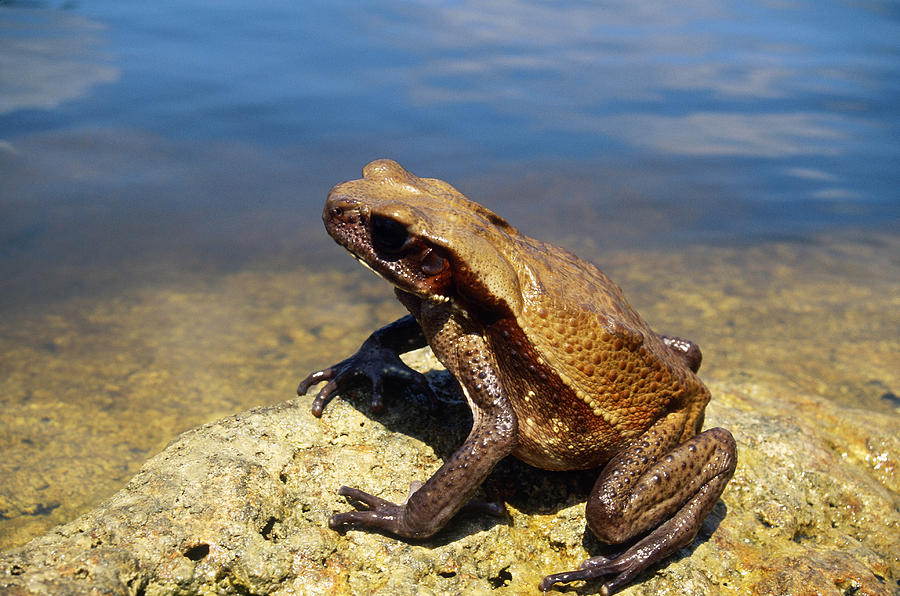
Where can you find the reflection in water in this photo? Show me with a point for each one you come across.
(48, 57)
(707, 78)
(718, 134)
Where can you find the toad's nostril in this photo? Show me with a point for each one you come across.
(341, 207)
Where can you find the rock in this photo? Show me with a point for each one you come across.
(241, 506)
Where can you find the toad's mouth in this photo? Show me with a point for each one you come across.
(425, 295)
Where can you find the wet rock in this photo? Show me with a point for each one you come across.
(241, 506)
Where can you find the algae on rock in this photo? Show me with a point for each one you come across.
(241, 506)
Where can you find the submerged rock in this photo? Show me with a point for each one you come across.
(241, 506)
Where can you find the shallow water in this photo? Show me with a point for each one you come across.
(162, 171)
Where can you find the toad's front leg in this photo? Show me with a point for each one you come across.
(658, 488)
(377, 359)
(492, 438)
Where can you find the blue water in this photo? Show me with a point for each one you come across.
(125, 126)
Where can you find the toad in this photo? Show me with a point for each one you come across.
(557, 368)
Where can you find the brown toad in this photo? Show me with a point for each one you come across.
(557, 368)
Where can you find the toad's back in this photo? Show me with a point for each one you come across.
(588, 372)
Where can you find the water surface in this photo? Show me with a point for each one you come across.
(162, 169)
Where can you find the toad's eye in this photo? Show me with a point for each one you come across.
(388, 234)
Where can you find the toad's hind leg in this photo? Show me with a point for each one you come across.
(653, 487)
(686, 350)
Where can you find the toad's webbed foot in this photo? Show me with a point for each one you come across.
(624, 567)
(375, 512)
(376, 365)
(410, 520)
(378, 512)
(376, 360)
